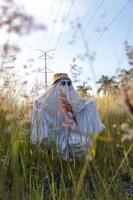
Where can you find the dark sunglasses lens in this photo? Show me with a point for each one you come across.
(66, 83)
(63, 83)
(69, 83)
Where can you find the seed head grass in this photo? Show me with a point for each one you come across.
(37, 172)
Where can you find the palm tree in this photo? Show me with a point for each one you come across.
(107, 84)
(125, 76)
(83, 89)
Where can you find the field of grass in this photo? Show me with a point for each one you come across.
(35, 172)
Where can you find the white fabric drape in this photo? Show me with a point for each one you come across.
(47, 121)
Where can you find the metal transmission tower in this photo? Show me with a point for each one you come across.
(45, 56)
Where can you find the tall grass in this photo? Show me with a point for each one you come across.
(37, 172)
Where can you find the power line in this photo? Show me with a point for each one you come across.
(52, 30)
(84, 40)
(90, 20)
(59, 8)
(50, 12)
(58, 39)
(127, 36)
(82, 9)
(112, 21)
(87, 52)
(94, 15)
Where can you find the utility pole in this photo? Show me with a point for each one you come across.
(45, 56)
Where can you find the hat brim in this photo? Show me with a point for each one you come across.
(58, 79)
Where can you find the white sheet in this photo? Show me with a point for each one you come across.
(47, 122)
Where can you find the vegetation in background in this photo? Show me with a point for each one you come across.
(37, 172)
(30, 171)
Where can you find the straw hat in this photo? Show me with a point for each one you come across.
(59, 76)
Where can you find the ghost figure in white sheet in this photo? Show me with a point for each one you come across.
(61, 115)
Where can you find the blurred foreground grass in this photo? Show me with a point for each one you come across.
(36, 172)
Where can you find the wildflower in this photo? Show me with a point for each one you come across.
(118, 145)
(128, 96)
(114, 126)
(128, 136)
(128, 132)
(125, 127)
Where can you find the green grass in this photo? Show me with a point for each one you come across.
(36, 172)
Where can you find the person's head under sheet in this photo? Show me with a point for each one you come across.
(61, 83)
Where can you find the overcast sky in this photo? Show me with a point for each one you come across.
(65, 19)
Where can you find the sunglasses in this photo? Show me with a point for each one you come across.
(67, 82)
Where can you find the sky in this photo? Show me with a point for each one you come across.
(75, 27)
